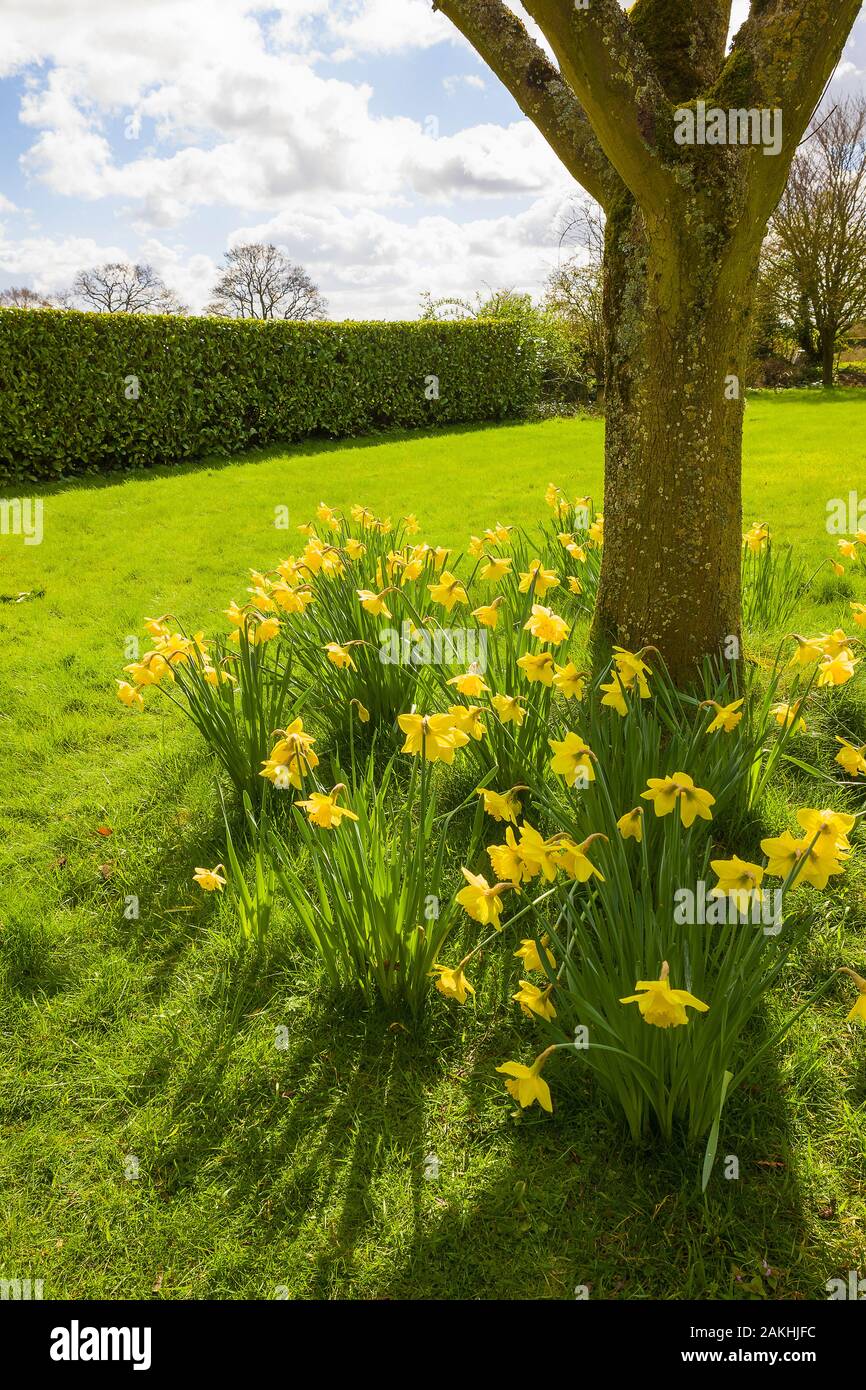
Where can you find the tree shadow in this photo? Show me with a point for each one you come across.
(313, 447)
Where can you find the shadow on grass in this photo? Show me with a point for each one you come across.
(297, 449)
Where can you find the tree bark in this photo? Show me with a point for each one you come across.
(676, 326)
(828, 357)
(685, 224)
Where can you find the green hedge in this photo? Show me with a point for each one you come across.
(214, 386)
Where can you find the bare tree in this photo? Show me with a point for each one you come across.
(818, 233)
(686, 142)
(119, 288)
(20, 297)
(260, 282)
(574, 290)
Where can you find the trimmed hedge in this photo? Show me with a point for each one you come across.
(215, 386)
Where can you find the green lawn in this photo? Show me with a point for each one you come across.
(263, 1169)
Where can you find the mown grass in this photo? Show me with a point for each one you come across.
(263, 1169)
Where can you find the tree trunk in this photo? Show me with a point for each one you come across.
(677, 328)
(828, 357)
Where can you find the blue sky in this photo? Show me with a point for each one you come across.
(363, 136)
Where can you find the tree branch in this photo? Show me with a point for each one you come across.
(783, 57)
(613, 77)
(686, 40)
(502, 41)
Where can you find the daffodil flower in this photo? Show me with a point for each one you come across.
(666, 793)
(859, 1009)
(501, 806)
(323, 810)
(210, 879)
(526, 1084)
(533, 1000)
(784, 854)
(481, 900)
(727, 716)
(572, 759)
(452, 983)
(662, 1006)
(528, 953)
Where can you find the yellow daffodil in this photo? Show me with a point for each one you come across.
(340, 657)
(667, 792)
(501, 806)
(448, 591)
(156, 627)
(488, 613)
(572, 859)
(727, 717)
(632, 668)
(540, 578)
(859, 1009)
(509, 709)
(572, 759)
(362, 712)
(847, 548)
(536, 854)
(453, 983)
(129, 696)
(374, 603)
(292, 600)
(470, 684)
(466, 719)
(630, 826)
(476, 546)
(574, 584)
(662, 1006)
(481, 900)
(614, 696)
(533, 1000)
(851, 758)
(785, 853)
(538, 667)
(210, 879)
(756, 537)
(831, 827)
(838, 669)
(507, 862)
(526, 1084)
(323, 810)
(528, 953)
(436, 735)
(859, 612)
(809, 649)
(788, 715)
(496, 568)
(266, 630)
(291, 758)
(833, 643)
(354, 548)
(546, 626)
(569, 681)
(737, 879)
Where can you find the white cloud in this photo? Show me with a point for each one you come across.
(453, 83)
